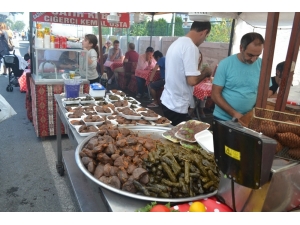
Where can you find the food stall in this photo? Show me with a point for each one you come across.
(244, 185)
(46, 67)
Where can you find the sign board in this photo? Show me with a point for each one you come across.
(80, 18)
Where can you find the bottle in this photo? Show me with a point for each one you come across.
(56, 42)
(103, 80)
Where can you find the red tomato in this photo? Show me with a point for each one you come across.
(160, 208)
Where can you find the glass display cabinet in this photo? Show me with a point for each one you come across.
(50, 64)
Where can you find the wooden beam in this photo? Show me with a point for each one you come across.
(289, 65)
(267, 60)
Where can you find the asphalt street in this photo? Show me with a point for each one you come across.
(29, 181)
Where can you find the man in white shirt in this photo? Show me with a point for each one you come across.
(182, 73)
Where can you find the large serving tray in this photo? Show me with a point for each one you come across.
(149, 131)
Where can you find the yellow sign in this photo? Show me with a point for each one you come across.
(232, 153)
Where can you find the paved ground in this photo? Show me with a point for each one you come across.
(28, 177)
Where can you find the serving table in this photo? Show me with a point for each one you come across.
(91, 196)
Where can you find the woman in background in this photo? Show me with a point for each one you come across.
(3, 44)
(90, 43)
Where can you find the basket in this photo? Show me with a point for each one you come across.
(283, 127)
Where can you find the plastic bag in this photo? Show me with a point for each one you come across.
(22, 83)
(6, 111)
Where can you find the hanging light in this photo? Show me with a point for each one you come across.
(199, 16)
(113, 18)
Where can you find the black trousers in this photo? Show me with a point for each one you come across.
(175, 117)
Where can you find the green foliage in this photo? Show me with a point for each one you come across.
(105, 30)
(9, 23)
(220, 31)
(18, 26)
(139, 29)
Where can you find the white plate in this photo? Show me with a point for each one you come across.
(69, 120)
(88, 101)
(85, 134)
(137, 102)
(128, 104)
(191, 141)
(110, 100)
(162, 124)
(64, 100)
(92, 123)
(129, 117)
(104, 114)
(142, 124)
(72, 118)
(150, 118)
(205, 140)
(117, 93)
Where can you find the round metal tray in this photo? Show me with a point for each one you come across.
(149, 131)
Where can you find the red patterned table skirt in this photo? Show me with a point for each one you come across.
(116, 65)
(146, 75)
(44, 107)
(202, 90)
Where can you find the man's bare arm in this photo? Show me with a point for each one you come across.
(194, 80)
(216, 96)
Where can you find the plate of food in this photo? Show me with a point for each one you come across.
(93, 119)
(69, 101)
(118, 92)
(129, 114)
(150, 115)
(86, 130)
(74, 115)
(121, 103)
(87, 100)
(76, 122)
(125, 122)
(113, 98)
(103, 110)
(144, 183)
(170, 134)
(162, 122)
(143, 122)
(189, 129)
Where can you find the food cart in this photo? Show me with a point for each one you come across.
(245, 195)
(45, 79)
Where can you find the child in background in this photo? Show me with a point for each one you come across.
(90, 43)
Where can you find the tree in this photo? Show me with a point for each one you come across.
(18, 26)
(105, 30)
(178, 30)
(220, 31)
(9, 23)
(159, 27)
(139, 29)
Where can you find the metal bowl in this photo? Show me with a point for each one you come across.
(149, 131)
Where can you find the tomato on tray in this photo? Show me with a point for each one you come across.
(160, 208)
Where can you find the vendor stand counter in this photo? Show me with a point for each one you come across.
(90, 197)
(46, 80)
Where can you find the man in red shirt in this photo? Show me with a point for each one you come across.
(130, 56)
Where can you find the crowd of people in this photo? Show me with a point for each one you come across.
(234, 87)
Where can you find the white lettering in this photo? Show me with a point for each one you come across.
(67, 20)
(87, 22)
(82, 22)
(125, 24)
(94, 23)
(72, 21)
(80, 15)
(103, 16)
(46, 18)
(55, 13)
(38, 14)
(91, 15)
(63, 14)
